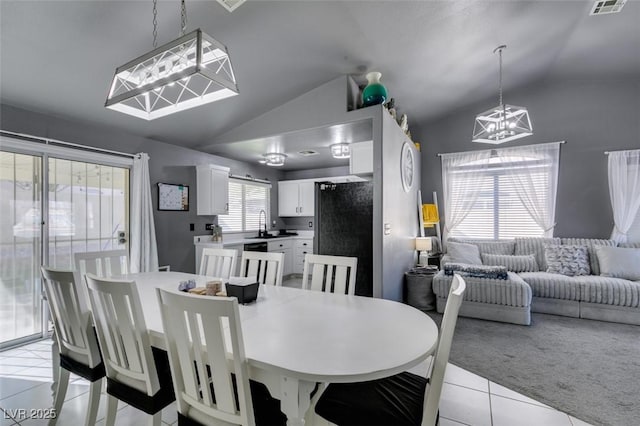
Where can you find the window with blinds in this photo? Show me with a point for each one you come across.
(246, 200)
(498, 212)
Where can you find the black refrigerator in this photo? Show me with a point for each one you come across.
(344, 225)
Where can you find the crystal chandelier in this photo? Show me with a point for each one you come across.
(503, 123)
(341, 150)
(275, 159)
(190, 71)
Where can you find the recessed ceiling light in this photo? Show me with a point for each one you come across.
(308, 152)
(604, 7)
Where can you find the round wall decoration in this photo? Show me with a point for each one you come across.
(407, 167)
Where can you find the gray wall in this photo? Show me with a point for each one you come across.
(168, 163)
(399, 210)
(591, 116)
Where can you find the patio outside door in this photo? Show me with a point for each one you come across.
(86, 208)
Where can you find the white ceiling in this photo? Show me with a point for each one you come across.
(58, 57)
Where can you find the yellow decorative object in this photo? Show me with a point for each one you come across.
(430, 215)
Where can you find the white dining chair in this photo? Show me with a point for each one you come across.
(219, 263)
(104, 264)
(137, 373)
(210, 372)
(403, 399)
(77, 344)
(331, 274)
(101, 263)
(265, 267)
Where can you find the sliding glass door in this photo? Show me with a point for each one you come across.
(88, 209)
(50, 208)
(20, 245)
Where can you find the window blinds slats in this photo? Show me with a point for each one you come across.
(245, 202)
(498, 212)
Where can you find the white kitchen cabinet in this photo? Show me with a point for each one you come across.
(286, 247)
(212, 189)
(296, 198)
(301, 248)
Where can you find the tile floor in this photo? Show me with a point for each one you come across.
(467, 399)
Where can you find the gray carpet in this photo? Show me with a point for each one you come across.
(589, 369)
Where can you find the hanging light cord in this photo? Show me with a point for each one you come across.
(155, 23)
(184, 17)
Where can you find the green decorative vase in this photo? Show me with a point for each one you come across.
(375, 93)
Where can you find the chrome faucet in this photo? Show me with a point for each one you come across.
(262, 233)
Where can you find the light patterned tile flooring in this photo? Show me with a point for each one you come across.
(467, 399)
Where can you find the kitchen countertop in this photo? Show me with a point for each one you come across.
(242, 239)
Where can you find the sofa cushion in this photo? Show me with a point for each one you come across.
(535, 246)
(480, 271)
(608, 290)
(619, 262)
(464, 253)
(567, 260)
(513, 263)
(490, 246)
(554, 286)
(510, 292)
(591, 244)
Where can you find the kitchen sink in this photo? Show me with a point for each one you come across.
(267, 237)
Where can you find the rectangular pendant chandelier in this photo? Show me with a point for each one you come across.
(503, 123)
(190, 71)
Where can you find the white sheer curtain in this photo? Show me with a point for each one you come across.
(624, 190)
(144, 250)
(458, 171)
(534, 175)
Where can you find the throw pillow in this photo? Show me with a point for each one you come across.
(464, 253)
(524, 263)
(567, 260)
(619, 262)
(476, 271)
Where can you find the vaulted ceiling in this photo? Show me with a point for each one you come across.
(58, 57)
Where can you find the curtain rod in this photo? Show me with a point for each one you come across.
(49, 141)
(622, 150)
(440, 154)
(250, 179)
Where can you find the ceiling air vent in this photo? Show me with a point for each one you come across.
(307, 152)
(231, 5)
(606, 7)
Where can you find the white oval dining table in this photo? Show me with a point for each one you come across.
(296, 338)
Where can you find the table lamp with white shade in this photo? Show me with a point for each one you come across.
(423, 246)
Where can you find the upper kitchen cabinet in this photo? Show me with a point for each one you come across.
(295, 198)
(212, 188)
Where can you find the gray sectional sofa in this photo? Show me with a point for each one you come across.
(526, 289)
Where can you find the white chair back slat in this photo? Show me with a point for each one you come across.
(267, 268)
(220, 376)
(317, 277)
(219, 346)
(340, 283)
(219, 263)
(71, 317)
(122, 332)
(331, 274)
(441, 357)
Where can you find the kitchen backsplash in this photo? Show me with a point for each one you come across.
(301, 223)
